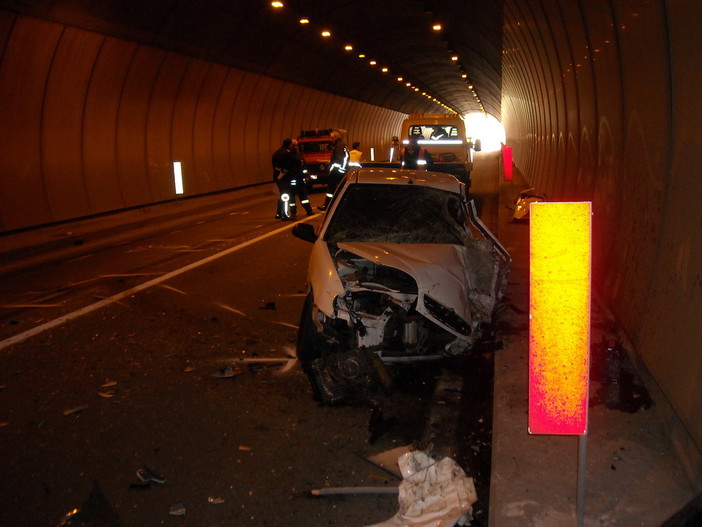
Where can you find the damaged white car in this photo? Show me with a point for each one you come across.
(402, 269)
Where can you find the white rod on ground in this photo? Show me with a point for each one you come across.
(327, 491)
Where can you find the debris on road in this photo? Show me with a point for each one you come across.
(617, 390)
(177, 510)
(109, 390)
(75, 410)
(256, 365)
(227, 372)
(216, 501)
(147, 475)
(387, 460)
(432, 493)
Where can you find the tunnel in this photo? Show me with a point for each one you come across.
(599, 101)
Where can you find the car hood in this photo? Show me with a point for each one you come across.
(439, 270)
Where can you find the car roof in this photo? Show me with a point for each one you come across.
(398, 176)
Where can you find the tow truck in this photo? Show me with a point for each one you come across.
(444, 137)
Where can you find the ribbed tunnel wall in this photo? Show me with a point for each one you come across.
(91, 124)
(601, 103)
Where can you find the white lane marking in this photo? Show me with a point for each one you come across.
(17, 306)
(125, 275)
(21, 337)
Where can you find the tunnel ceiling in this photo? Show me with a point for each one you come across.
(253, 36)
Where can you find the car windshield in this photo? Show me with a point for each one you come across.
(397, 214)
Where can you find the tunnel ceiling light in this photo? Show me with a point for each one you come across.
(464, 76)
(436, 26)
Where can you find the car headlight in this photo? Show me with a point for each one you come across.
(447, 316)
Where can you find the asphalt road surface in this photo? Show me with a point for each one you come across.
(110, 361)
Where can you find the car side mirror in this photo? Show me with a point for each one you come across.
(305, 231)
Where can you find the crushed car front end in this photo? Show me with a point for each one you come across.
(402, 269)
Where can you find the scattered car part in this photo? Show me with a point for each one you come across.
(522, 202)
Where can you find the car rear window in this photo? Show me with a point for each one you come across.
(434, 132)
(397, 214)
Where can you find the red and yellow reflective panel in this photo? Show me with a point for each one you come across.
(559, 317)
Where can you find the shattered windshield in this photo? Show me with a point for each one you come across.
(397, 214)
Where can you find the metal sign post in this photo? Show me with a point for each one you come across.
(559, 324)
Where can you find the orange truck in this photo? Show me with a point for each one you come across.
(315, 149)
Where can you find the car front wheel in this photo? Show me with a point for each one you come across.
(310, 344)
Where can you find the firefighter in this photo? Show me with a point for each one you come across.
(415, 157)
(337, 166)
(282, 161)
(298, 183)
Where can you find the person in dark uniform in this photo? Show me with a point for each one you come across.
(297, 182)
(282, 160)
(337, 166)
(415, 156)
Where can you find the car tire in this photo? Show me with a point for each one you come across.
(310, 345)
